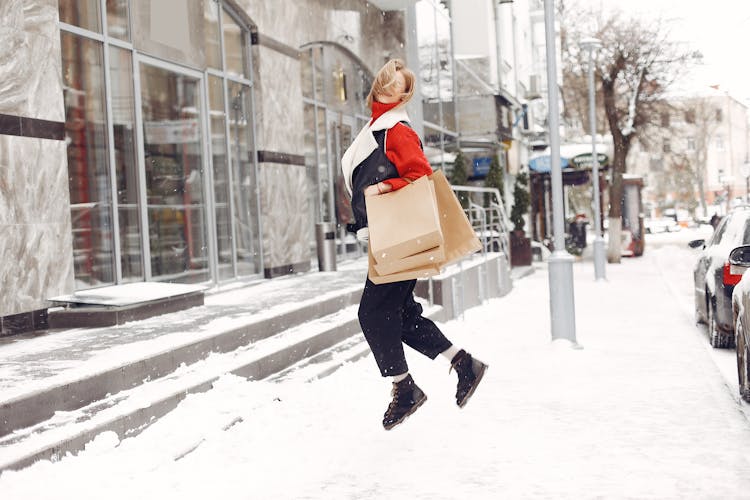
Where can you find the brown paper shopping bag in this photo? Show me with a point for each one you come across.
(432, 257)
(459, 238)
(403, 222)
(405, 275)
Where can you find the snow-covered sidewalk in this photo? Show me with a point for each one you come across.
(641, 412)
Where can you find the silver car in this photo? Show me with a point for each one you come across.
(739, 258)
(713, 277)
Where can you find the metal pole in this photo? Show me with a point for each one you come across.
(599, 252)
(562, 306)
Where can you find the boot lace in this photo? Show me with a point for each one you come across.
(394, 401)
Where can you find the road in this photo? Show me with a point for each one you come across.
(675, 260)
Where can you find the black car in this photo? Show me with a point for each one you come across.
(713, 277)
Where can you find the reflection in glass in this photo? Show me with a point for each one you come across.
(243, 180)
(324, 177)
(221, 176)
(174, 176)
(344, 214)
(123, 124)
(311, 167)
(118, 19)
(86, 136)
(170, 29)
(82, 13)
(212, 46)
(317, 57)
(234, 47)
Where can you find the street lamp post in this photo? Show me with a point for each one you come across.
(590, 45)
(562, 304)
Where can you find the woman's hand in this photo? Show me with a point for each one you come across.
(376, 189)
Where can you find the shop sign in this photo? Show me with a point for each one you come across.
(585, 160)
(543, 164)
(172, 132)
(481, 166)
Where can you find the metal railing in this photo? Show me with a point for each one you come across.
(492, 227)
(489, 219)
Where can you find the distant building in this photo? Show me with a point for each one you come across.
(701, 138)
(500, 57)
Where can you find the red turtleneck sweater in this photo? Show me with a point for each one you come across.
(403, 149)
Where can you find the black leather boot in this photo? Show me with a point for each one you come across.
(470, 372)
(407, 397)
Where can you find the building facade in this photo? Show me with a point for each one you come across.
(701, 144)
(192, 141)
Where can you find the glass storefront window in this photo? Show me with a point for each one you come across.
(311, 165)
(243, 176)
(126, 170)
(118, 19)
(317, 60)
(82, 13)
(335, 86)
(86, 136)
(221, 177)
(182, 42)
(174, 175)
(235, 43)
(324, 176)
(173, 212)
(212, 37)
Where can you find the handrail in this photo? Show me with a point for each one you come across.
(490, 222)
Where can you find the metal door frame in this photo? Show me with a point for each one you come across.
(207, 160)
(336, 151)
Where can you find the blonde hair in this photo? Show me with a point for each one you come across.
(386, 78)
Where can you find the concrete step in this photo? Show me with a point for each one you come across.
(308, 351)
(129, 411)
(24, 408)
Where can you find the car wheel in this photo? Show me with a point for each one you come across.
(742, 362)
(699, 319)
(718, 339)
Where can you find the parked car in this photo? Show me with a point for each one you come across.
(662, 225)
(713, 278)
(739, 258)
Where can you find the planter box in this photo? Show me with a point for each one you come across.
(520, 249)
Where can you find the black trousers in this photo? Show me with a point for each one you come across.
(390, 317)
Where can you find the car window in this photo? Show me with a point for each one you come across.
(734, 230)
(746, 234)
(719, 233)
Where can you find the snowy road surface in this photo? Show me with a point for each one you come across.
(643, 411)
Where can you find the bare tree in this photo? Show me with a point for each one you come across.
(700, 117)
(635, 66)
(689, 127)
(676, 182)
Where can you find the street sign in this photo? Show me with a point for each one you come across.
(586, 160)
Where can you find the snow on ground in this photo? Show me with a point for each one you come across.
(640, 412)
